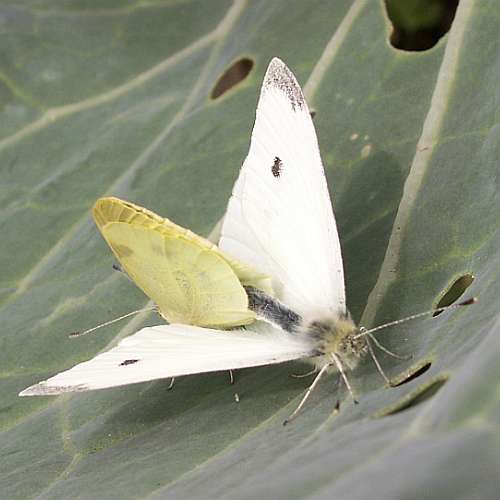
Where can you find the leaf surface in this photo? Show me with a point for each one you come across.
(114, 99)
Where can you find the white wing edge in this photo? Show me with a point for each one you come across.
(165, 351)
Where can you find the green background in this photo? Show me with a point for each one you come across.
(101, 98)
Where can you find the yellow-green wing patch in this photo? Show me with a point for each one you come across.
(187, 276)
(113, 209)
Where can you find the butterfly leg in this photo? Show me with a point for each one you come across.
(338, 385)
(307, 394)
(171, 385)
(377, 363)
(303, 375)
(231, 377)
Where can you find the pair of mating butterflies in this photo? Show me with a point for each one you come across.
(277, 272)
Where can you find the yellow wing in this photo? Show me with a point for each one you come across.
(189, 278)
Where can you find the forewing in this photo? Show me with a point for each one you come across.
(173, 350)
(280, 218)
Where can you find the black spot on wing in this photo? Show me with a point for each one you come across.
(128, 362)
(278, 76)
(277, 167)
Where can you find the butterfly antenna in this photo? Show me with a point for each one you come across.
(467, 302)
(110, 322)
(304, 375)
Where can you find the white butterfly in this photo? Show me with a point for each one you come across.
(280, 221)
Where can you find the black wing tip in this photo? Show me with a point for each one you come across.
(277, 64)
(280, 77)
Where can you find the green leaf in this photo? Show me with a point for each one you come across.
(114, 99)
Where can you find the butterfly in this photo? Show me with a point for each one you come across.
(277, 269)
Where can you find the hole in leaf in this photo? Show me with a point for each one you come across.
(422, 394)
(412, 375)
(419, 24)
(455, 291)
(237, 72)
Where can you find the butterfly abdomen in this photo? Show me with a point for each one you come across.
(272, 310)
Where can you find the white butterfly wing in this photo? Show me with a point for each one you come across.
(280, 218)
(173, 350)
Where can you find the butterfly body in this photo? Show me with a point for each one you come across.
(326, 335)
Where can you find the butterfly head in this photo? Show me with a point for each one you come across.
(337, 335)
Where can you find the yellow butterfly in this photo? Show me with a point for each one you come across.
(190, 280)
